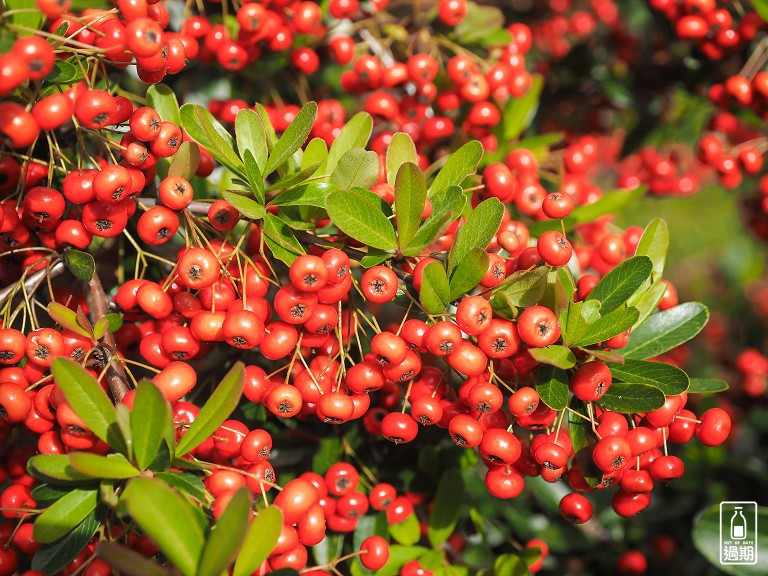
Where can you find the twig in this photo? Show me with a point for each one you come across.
(31, 283)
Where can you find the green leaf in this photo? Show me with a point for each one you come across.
(524, 288)
(50, 558)
(54, 468)
(163, 100)
(478, 22)
(291, 180)
(552, 385)
(616, 287)
(761, 7)
(188, 484)
(109, 323)
(354, 134)
(710, 529)
(328, 453)
(253, 174)
(477, 231)
(48, 493)
(269, 130)
(281, 240)
(399, 556)
(113, 467)
(63, 72)
(707, 385)
(32, 19)
(669, 379)
(447, 205)
(630, 398)
(520, 112)
(205, 129)
(80, 264)
(666, 330)
(260, 539)
(293, 138)
(167, 518)
(510, 565)
(250, 135)
(66, 318)
(583, 439)
(356, 168)
(448, 504)
(400, 150)
(469, 272)
(61, 517)
(608, 326)
(410, 198)
(358, 214)
(217, 408)
(558, 356)
(647, 302)
(374, 257)
(315, 153)
(226, 535)
(128, 562)
(406, 532)
(186, 160)
(151, 423)
(88, 400)
(123, 419)
(309, 194)
(575, 319)
(331, 547)
(459, 165)
(435, 292)
(654, 243)
(247, 208)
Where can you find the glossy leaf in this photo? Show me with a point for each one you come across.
(226, 535)
(281, 240)
(358, 214)
(374, 257)
(88, 400)
(128, 562)
(260, 539)
(469, 272)
(406, 532)
(708, 534)
(554, 355)
(354, 134)
(163, 100)
(654, 243)
(309, 194)
(460, 164)
(608, 326)
(647, 302)
(447, 205)
(357, 168)
(66, 318)
(294, 179)
(447, 507)
(576, 318)
(630, 398)
(123, 419)
(46, 493)
(478, 230)
(61, 517)
(247, 207)
(63, 72)
(315, 153)
(435, 291)
(80, 264)
(217, 408)
(524, 288)
(54, 468)
(168, 519)
(520, 112)
(479, 22)
(552, 385)
(707, 385)
(293, 138)
(186, 160)
(666, 330)
(401, 149)
(205, 129)
(188, 484)
(151, 423)
(254, 176)
(669, 379)
(510, 565)
(250, 134)
(113, 466)
(410, 198)
(50, 558)
(616, 287)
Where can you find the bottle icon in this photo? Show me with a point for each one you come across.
(738, 524)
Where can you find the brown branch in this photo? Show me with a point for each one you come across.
(97, 309)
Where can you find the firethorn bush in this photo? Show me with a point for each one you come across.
(373, 287)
